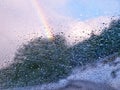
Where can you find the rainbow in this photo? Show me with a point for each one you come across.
(47, 31)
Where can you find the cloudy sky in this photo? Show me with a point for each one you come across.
(19, 20)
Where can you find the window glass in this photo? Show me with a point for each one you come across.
(59, 44)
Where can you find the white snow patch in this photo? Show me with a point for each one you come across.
(101, 73)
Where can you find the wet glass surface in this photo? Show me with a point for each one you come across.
(44, 41)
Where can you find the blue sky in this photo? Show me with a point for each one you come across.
(85, 9)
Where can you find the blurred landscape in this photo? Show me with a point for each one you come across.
(59, 44)
(42, 61)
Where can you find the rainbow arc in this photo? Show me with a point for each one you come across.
(47, 29)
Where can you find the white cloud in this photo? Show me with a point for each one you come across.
(56, 2)
(19, 23)
(81, 30)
